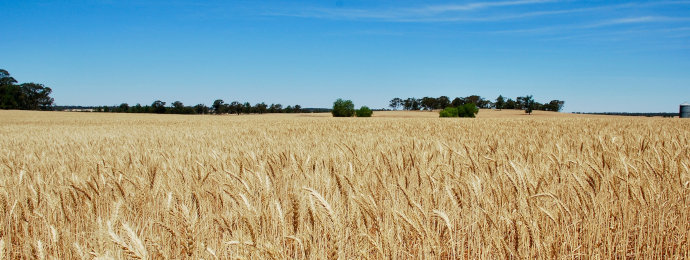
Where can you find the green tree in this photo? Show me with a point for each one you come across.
(218, 106)
(37, 96)
(178, 107)
(554, 105)
(235, 107)
(137, 109)
(511, 104)
(261, 108)
(158, 107)
(123, 108)
(538, 106)
(411, 104)
(246, 108)
(443, 102)
(6, 79)
(364, 111)
(527, 103)
(31, 96)
(428, 103)
(275, 108)
(500, 102)
(395, 103)
(10, 96)
(343, 108)
(201, 109)
(457, 102)
(474, 99)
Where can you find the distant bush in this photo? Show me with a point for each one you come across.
(470, 110)
(449, 112)
(343, 108)
(466, 110)
(364, 111)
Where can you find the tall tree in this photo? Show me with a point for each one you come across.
(138, 109)
(500, 102)
(457, 102)
(201, 109)
(218, 106)
(31, 96)
(395, 103)
(474, 99)
(277, 108)
(428, 103)
(411, 104)
(554, 105)
(443, 102)
(178, 107)
(527, 103)
(158, 107)
(235, 107)
(246, 108)
(123, 108)
(6, 79)
(511, 104)
(261, 108)
(520, 102)
(37, 96)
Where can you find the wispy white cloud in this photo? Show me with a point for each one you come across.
(479, 5)
(469, 12)
(561, 21)
(637, 20)
(640, 20)
(430, 13)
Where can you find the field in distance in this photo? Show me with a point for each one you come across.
(308, 186)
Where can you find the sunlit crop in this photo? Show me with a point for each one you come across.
(85, 185)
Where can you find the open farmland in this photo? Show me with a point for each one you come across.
(82, 185)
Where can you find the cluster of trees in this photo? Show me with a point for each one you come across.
(430, 103)
(156, 107)
(528, 104)
(466, 110)
(345, 108)
(219, 107)
(442, 102)
(27, 96)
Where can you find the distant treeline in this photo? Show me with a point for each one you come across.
(219, 107)
(33, 96)
(147, 109)
(430, 103)
(629, 114)
(25, 96)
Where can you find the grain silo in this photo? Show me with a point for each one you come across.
(684, 110)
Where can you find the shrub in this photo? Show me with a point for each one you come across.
(449, 112)
(470, 110)
(364, 111)
(343, 108)
(466, 110)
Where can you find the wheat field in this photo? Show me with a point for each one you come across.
(123, 186)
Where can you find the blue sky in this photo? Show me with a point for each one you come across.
(596, 55)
